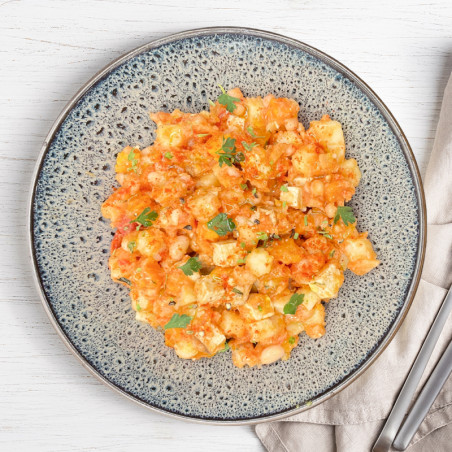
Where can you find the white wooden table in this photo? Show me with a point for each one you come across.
(48, 402)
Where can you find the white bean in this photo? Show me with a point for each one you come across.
(179, 247)
(271, 354)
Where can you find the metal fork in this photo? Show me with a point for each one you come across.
(400, 408)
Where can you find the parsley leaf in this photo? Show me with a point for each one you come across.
(138, 307)
(146, 217)
(178, 321)
(229, 150)
(191, 266)
(237, 291)
(168, 155)
(346, 213)
(125, 280)
(305, 220)
(295, 300)
(243, 186)
(247, 146)
(227, 100)
(284, 188)
(262, 236)
(132, 158)
(221, 224)
(291, 340)
(296, 235)
(132, 246)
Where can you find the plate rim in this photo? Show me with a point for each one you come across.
(322, 56)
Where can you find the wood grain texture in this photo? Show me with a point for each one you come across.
(48, 401)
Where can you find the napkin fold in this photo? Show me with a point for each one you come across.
(351, 420)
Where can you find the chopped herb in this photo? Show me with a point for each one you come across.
(248, 146)
(227, 100)
(168, 155)
(138, 270)
(237, 291)
(296, 235)
(132, 246)
(346, 213)
(271, 162)
(243, 186)
(242, 245)
(291, 340)
(225, 349)
(262, 236)
(200, 135)
(284, 188)
(178, 321)
(146, 217)
(229, 154)
(250, 130)
(276, 236)
(259, 307)
(188, 227)
(221, 224)
(137, 305)
(211, 103)
(125, 280)
(332, 253)
(191, 266)
(193, 306)
(305, 220)
(253, 207)
(241, 261)
(254, 192)
(284, 204)
(325, 234)
(295, 300)
(132, 158)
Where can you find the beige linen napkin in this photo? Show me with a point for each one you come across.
(352, 420)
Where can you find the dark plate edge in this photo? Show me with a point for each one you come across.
(337, 66)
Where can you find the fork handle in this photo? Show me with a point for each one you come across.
(425, 400)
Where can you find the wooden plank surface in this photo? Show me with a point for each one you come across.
(48, 401)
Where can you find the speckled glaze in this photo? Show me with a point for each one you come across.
(70, 240)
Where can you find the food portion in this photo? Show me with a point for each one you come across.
(231, 229)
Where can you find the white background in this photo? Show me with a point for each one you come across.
(48, 49)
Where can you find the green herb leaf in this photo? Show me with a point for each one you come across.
(242, 245)
(138, 307)
(132, 158)
(225, 349)
(211, 103)
(295, 300)
(221, 224)
(235, 290)
(146, 217)
(262, 236)
(305, 220)
(248, 147)
(227, 100)
(228, 156)
(325, 234)
(201, 135)
(178, 321)
(250, 130)
(241, 261)
(125, 280)
(291, 340)
(346, 213)
(331, 253)
(193, 265)
(243, 186)
(168, 155)
(259, 308)
(132, 246)
(284, 188)
(296, 235)
(284, 204)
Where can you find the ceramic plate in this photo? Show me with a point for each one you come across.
(70, 241)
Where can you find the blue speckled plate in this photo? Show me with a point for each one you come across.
(70, 241)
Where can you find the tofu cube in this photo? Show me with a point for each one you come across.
(208, 290)
(226, 254)
(211, 337)
(258, 307)
(292, 197)
(327, 283)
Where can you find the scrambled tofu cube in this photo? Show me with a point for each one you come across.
(208, 290)
(211, 337)
(327, 283)
(292, 197)
(226, 254)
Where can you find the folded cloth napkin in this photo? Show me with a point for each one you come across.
(352, 420)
